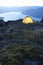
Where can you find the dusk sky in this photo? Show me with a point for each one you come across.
(10, 3)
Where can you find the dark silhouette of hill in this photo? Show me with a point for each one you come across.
(16, 9)
(18, 24)
(34, 12)
(9, 29)
(21, 44)
(12, 9)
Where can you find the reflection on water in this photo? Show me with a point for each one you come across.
(12, 16)
(15, 16)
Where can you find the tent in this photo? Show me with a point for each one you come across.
(27, 20)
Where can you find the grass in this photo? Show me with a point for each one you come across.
(12, 55)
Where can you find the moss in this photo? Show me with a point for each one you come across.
(31, 51)
(10, 55)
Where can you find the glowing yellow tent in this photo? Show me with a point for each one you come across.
(27, 20)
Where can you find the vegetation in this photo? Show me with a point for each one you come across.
(14, 55)
(17, 43)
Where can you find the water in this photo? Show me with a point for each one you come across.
(15, 15)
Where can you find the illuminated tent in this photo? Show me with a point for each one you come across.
(27, 20)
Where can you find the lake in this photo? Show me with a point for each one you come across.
(16, 15)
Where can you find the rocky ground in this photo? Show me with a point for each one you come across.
(21, 44)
